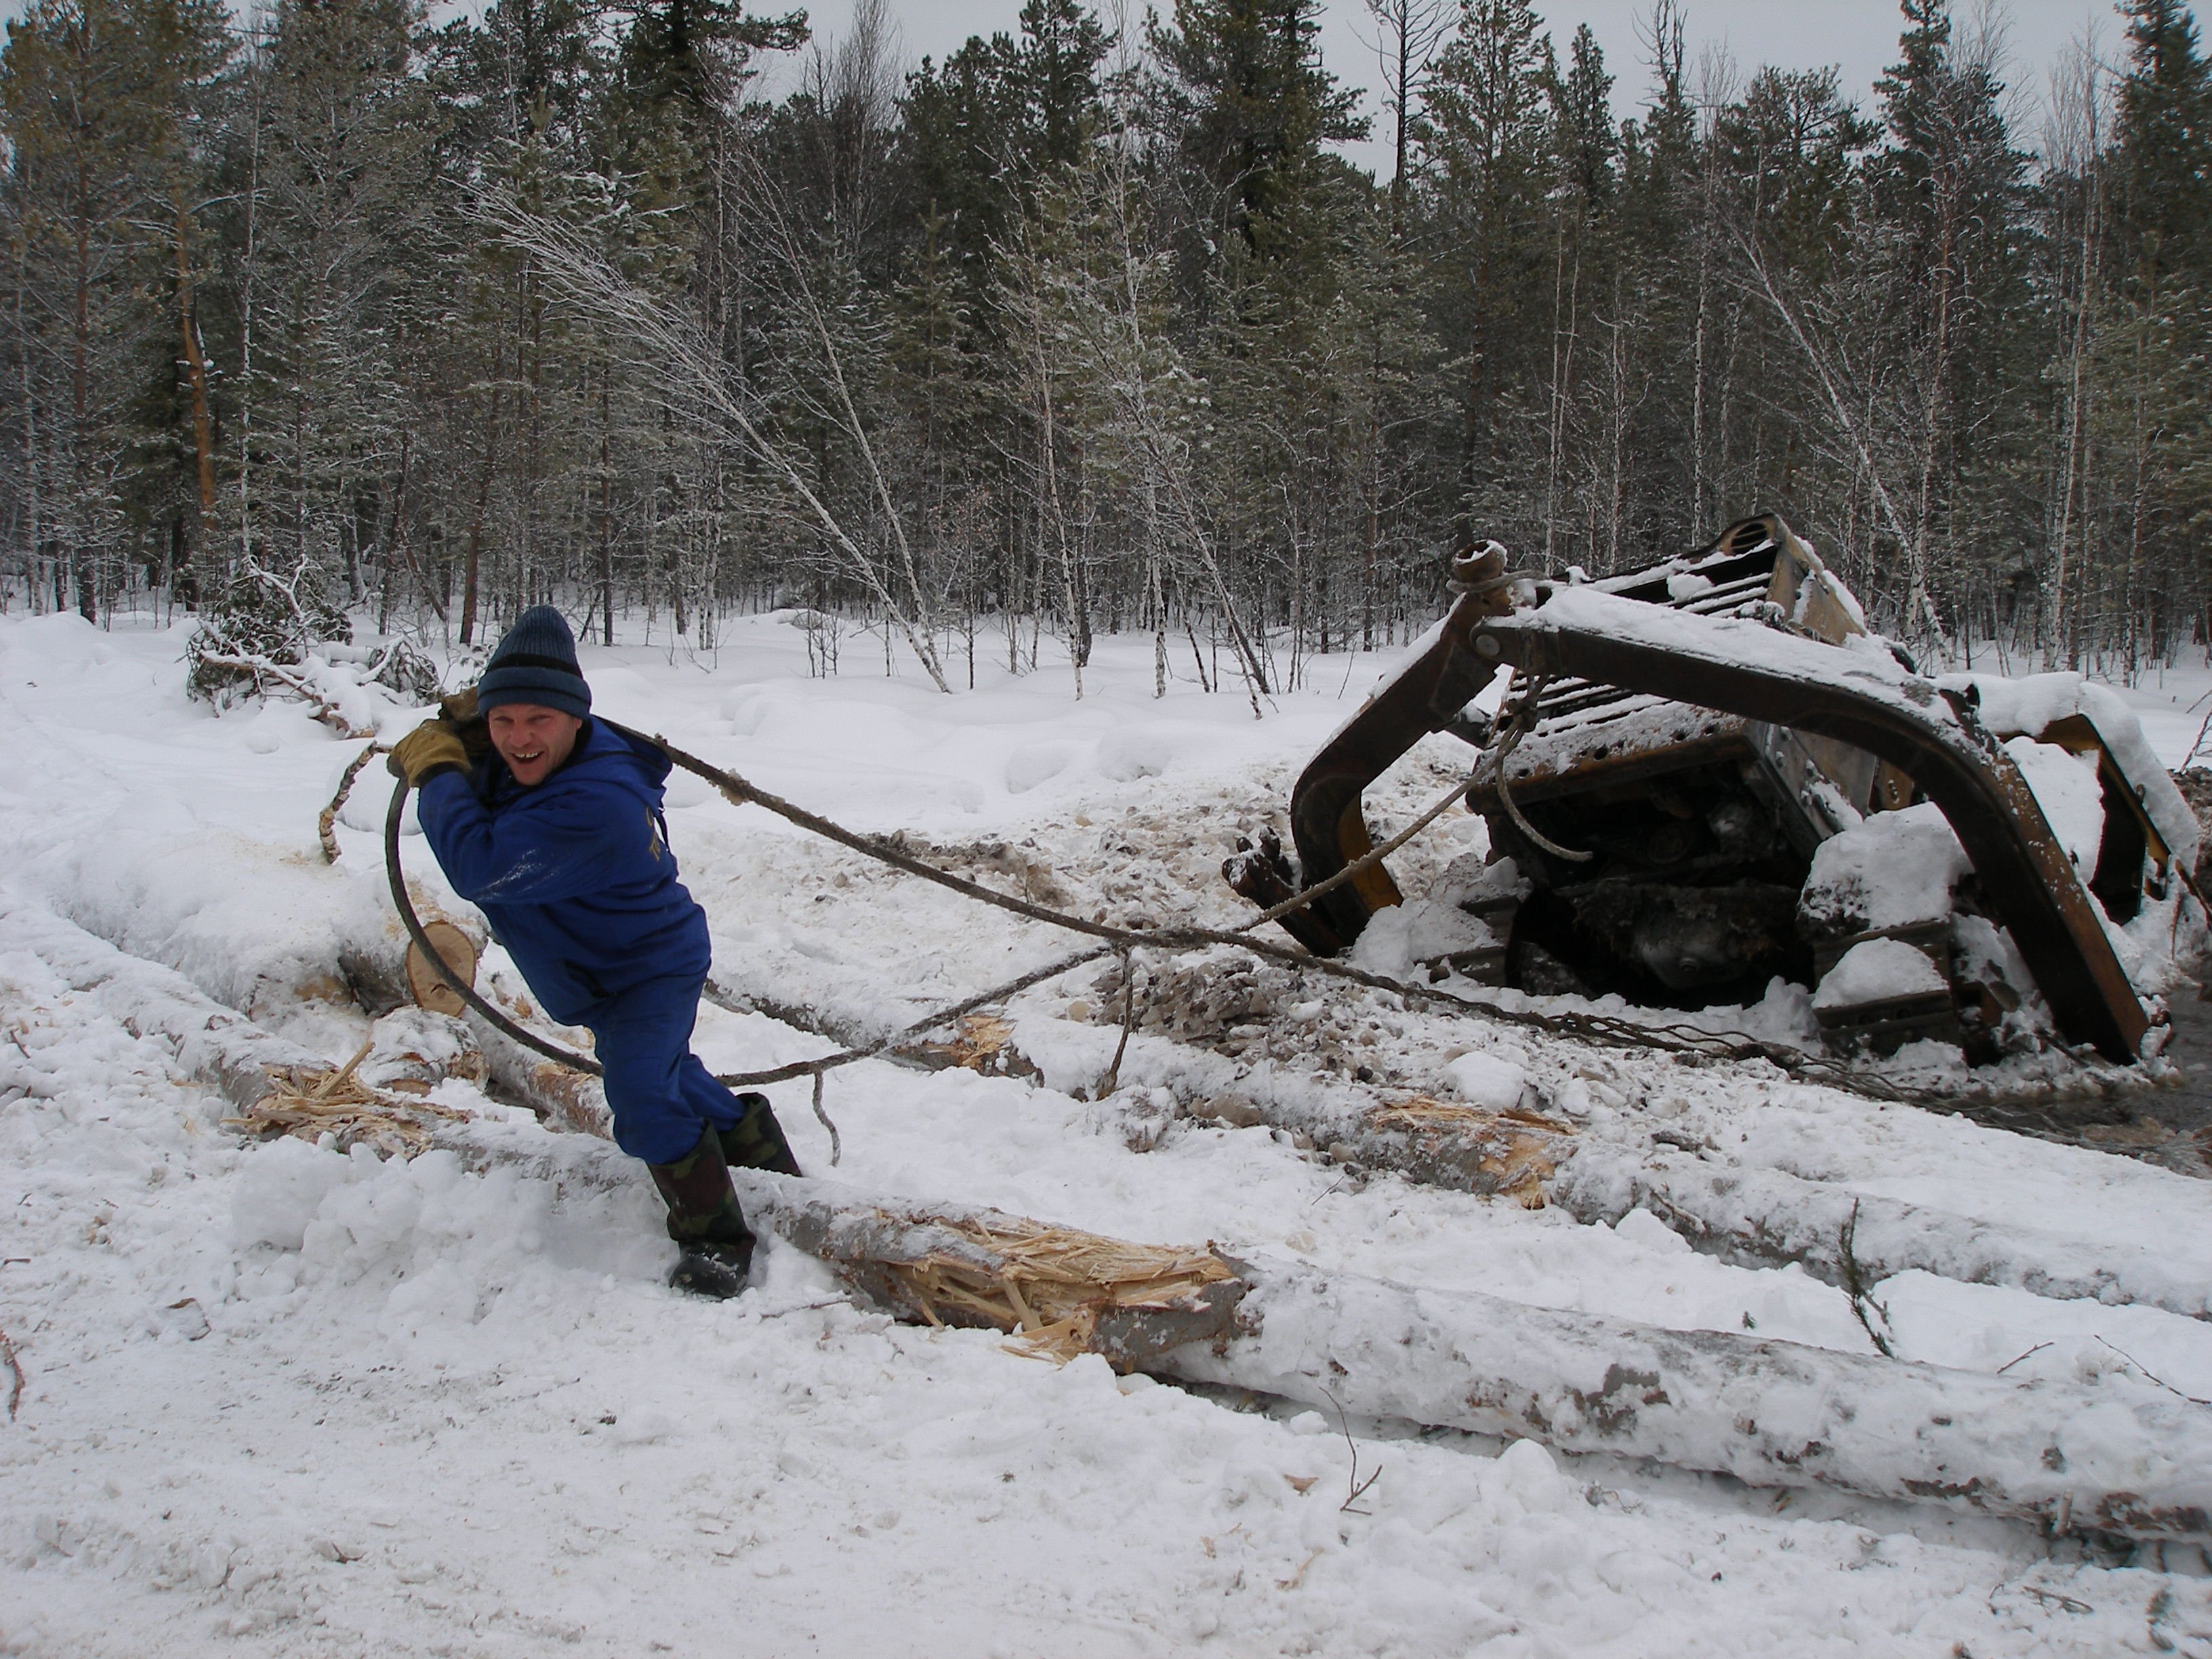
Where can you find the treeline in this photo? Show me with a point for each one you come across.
(1084, 330)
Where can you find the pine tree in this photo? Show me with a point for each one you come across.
(1485, 143)
(1946, 195)
(1253, 107)
(99, 108)
(2156, 353)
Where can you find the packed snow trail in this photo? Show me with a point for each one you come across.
(433, 1410)
(402, 1407)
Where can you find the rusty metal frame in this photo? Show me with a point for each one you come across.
(2026, 879)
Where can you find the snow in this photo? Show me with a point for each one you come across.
(1879, 970)
(2130, 724)
(1484, 1080)
(1435, 924)
(1891, 871)
(286, 1400)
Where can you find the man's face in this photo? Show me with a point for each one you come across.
(532, 740)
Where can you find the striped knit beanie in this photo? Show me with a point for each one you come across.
(536, 663)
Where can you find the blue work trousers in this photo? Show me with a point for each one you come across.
(662, 1096)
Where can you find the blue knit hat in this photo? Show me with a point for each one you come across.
(536, 663)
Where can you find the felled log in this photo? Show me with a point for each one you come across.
(1493, 1151)
(569, 1102)
(1745, 1215)
(1061, 1291)
(273, 1085)
(1762, 1218)
(2118, 1457)
(215, 1045)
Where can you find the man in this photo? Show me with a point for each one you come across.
(549, 822)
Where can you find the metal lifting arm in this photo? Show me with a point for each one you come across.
(1427, 695)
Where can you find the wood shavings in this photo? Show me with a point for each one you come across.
(978, 1043)
(1052, 1285)
(308, 1104)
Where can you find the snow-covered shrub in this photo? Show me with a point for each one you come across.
(260, 623)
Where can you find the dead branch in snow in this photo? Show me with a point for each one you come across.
(326, 822)
(2149, 1375)
(1112, 1079)
(822, 1117)
(14, 1372)
(1354, 1487)
(1856, 1285)
(261, 667)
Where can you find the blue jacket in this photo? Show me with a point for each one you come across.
(575, 875)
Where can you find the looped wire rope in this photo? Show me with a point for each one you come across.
(1689, 1041)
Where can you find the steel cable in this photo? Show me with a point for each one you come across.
(1689, 1041)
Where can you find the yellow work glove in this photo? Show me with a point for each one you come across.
(430, 745)
(460, 712)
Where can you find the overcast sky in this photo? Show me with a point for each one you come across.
(1859, 37)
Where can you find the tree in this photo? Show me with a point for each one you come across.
(1947, 196)
(1485, 143)
(99, 108)
(1253, 106)
(1409, 33)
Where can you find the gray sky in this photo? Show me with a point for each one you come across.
(1859, 37)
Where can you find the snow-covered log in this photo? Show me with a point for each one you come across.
(1741, 1213)
(1065, 1291)
(2120, 1457)
(1494, 1140)
(2117, 1455)
(569, 1101)
(1764, 1218)
(1060, 1291)
(216, 1045)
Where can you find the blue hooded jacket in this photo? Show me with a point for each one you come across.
(575, 875)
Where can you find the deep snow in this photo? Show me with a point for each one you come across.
(285, 1401)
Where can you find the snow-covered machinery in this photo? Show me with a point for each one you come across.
(1709, 774)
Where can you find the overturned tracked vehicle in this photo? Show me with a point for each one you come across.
(1705, 775)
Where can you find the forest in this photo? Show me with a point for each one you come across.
(327, 317)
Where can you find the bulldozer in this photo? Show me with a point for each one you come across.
(1708, 775)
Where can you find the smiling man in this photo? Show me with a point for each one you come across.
(551, 822)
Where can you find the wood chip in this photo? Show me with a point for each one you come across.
(310, 1104)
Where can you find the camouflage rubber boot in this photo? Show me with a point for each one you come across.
(705, 1221)
(755, 1141)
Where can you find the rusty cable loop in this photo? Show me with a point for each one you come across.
(1691, 1042)
(1524, 719)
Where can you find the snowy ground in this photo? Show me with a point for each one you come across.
(282, 1400)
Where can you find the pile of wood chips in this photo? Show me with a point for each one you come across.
(394, 1121)
(1053, 1283)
